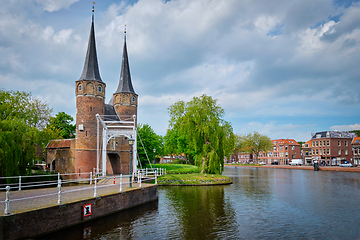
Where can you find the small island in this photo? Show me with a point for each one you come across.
(189, 175)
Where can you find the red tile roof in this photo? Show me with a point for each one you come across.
(62, 143)
(356, 140)
(285, 141)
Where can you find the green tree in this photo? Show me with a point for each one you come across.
(176, 143)
(209, 137)
(150, 140)
(61, 123)
(254, 144)
(356, 131)
(22, 128)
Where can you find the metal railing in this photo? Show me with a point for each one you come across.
(142, 175)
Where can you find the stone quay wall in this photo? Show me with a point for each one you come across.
(46, 220)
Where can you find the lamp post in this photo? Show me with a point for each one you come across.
(154, 159)
(131, 143)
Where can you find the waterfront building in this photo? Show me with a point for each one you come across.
(332, 147)
(306, 153)
(356, 150)
(284, 150)
(80, 155)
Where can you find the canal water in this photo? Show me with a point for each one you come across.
(262, 203)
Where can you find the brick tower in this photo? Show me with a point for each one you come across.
(125, 98)
(124, 101)
(90, 100)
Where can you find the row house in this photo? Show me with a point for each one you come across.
(356, 150)
(306, 153)
(332, 147)
(284, 150)
(243, 157)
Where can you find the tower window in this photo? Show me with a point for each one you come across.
(100, 88)
(133, 99)
(80, 87)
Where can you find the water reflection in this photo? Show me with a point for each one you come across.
(200, 211)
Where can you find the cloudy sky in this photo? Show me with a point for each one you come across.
(283, 68)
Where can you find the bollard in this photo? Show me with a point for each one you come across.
(90, 178)
(7, 201)
(59, 193)
(120, 182)
(139, 179)
(114, 179)
(95, 190)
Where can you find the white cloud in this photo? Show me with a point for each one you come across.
(55, 5)
(350, 127)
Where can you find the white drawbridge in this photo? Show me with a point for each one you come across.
(111, 130)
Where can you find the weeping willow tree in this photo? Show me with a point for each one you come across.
(210, 138)
(23, 121)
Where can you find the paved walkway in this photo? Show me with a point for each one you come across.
(68, 195)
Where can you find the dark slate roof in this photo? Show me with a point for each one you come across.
(333, 134)
(125, 85)
(91, 68)
(110, 113)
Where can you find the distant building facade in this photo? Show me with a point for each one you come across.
(332, 147)
(306, 153)
(356, 150)
(284, 150)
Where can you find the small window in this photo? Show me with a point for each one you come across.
(339, 152)
(346, 152)
(100, 88)
(328, 151)
(133, 99)
(339, 143)
(80, 87)
(328, 142)
(293, 148)
(346, 142)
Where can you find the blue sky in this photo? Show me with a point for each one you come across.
(283, 68)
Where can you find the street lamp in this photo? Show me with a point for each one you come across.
(154, 158)
(131, 143)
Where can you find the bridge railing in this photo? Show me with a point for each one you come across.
(92, 180)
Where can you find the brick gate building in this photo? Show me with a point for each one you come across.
(80, 154)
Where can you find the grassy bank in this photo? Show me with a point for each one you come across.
(192, 179)
(188, 175)
(177, 168)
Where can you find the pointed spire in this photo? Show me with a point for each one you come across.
(125, 85)
(91, 68)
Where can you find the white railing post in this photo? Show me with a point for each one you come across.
(90, 178)
(120, 182)
(19, 183)
(146, 171)
(155, 178)
(139, 179)
(95, 190)
(59, 193)
(58, 179)
(7, 201)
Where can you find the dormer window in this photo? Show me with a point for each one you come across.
(99, 88)
(80, 87)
